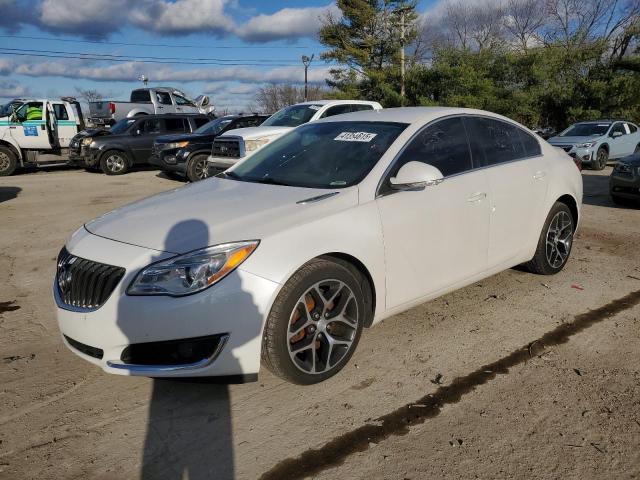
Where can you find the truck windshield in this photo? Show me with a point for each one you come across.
(6, 110)
(320, 155)
(291, 116)
(586, 130)
(122, 126)
(214, 126)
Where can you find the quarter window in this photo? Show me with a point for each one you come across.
(175, 125)
(632, 127)
(443, 145)
(150, 126)
(140, 96)
(337, 110)
(530, 144)
(494, 141)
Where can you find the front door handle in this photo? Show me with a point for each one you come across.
(477, 197)
(539, 175)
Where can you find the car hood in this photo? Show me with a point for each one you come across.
(573, 140)
(216, 211)
(251, 133)
(632, 160)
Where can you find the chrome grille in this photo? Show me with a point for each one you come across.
(226, 148)
(83, 283)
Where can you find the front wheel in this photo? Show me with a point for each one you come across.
(315, 323)
(198, 168)
(602, 157)
(555, 242)
(114, 163)
(8, 162)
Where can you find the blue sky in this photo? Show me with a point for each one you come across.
(246, 43)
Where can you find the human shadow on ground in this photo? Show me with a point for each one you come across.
(9, 193)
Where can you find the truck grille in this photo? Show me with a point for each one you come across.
(226, 148)
(83, 283)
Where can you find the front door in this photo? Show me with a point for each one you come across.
(435, 237)
(144, 134)
(29, 127)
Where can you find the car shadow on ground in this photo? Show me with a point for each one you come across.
(596, 192)
(9, 193)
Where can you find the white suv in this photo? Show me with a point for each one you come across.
(238, 144)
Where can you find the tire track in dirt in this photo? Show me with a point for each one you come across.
(398, 422)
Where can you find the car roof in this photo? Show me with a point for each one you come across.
(408, 114)
(337, 102)
(171, 115)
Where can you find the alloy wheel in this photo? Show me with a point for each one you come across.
(322, 326)
(115, 163)
(201, 169)
(559, 238)
(602, 159)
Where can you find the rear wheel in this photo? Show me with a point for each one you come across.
(315, 323)
(114, 162)
(8, 162)
(197, 168)
(555, 242)
(602, 157)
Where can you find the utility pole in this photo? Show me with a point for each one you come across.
(402, 11)
(306, 61)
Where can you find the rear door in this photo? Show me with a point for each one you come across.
(435, 237)
(144, 134)
(65, 125)
(517, 174)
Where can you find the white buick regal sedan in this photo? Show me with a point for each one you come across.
(290, 254)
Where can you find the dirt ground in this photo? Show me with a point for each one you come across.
(517, 376)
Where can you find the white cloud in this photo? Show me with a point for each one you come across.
(183, 16)
(13, 90)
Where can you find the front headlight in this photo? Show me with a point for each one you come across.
(166, 146)
(251, 145)
(586, 145)
(87, 141)
(191, 272)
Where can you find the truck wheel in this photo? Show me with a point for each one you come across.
(8, 162)
(198, 169)
(114, 162)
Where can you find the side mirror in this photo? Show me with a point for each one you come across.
(616, 134)
(202, 101)
(416, 176)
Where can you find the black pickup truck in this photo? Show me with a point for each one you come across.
(129, 141)
(187, 154)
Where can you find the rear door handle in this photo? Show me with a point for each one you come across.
(477, 197)
(539, 175)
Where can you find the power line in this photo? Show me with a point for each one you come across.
(75, 57)
(109, 56)
(205, 47)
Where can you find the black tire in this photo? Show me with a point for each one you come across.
(602, 157)
(197, 168)
(541, 264)
(114, 162)
(8, 161)
(292, 297)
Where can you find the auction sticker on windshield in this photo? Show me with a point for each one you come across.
(355, 137)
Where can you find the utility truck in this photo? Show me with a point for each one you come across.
(37, 132)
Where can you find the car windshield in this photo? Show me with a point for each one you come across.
(214, 126)
(6, 110)
(320, 155)
(586, 130)
(122, 126)
(292, 116)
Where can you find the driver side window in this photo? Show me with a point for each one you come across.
(618, 127)
(443, 145)
(30, 111)
(182, 101)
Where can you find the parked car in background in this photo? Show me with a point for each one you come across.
(130, 141)
(242, 143)
(147, 101)
(624, 182)
(598, 141)
(37, 132)
(544, 132)
(186, 154)
(288, 256)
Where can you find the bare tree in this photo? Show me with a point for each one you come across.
(523, 20)
(273, 97)
(457, 20)
(487, 24)
(89, 95)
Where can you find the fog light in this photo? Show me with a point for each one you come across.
(170, 159)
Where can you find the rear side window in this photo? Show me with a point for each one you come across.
(337, 110)
(494, 141)
(359, 107)
(60, 111)
(200, 121)
(530, 144)
(141, 96)
(175, 125)
(163, 98)
(619, 127)
(150, 125)
(632, 127)
(443, 145)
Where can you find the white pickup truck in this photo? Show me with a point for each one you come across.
(38, 132)
(241, 143)
(147, 101)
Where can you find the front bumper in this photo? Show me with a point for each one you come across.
(627, 186)
(221, 163)
(235, 310)
(172, 160)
